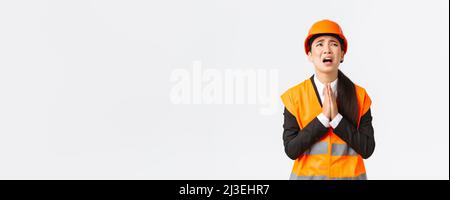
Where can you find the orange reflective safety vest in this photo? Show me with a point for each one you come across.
(331, 157)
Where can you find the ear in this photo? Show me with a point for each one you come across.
(310, 58)
(342, 58)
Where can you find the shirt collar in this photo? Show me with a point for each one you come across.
(320, 85)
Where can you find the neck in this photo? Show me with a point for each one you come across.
(326, 77)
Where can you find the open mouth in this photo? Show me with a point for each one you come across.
(327, 60)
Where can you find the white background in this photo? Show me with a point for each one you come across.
(84, 86)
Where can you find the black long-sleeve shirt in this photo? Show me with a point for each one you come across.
(297, 141)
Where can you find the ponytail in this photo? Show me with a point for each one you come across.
(346, 99)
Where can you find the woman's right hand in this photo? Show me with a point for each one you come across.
(326, 107)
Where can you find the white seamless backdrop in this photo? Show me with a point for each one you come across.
(85, 86)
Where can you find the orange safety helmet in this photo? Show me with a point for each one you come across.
(325, 27)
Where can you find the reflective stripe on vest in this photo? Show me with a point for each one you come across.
(342, 150)
(318, 148)
(295, 177)
(336, 149)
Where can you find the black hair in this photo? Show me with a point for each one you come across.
(346, 99)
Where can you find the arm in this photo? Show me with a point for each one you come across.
(361, 140)
(297, 141)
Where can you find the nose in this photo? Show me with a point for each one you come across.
(326, 50)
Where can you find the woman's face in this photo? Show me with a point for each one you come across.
(326, 54)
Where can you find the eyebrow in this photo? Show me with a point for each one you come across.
(332, 40)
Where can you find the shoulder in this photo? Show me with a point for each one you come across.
(360, 91)
(363, 98)
(292, 95)
(295, 89)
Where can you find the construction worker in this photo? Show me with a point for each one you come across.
(327, 120)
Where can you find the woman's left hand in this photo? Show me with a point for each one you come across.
(333, 104)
